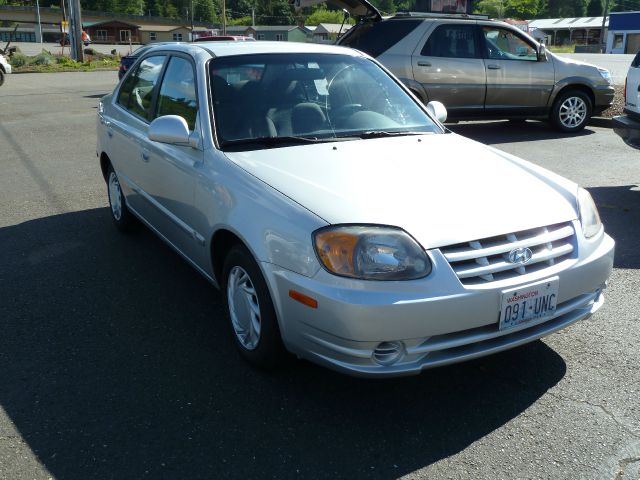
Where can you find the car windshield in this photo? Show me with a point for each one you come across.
(277, 99)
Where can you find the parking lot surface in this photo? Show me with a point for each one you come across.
(116, 361)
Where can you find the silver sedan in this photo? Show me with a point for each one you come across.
(342, 221)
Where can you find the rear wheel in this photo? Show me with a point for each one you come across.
(122, 217)
(1, 77)
(571, 111)
(251, 313)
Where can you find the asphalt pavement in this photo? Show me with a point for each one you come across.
(116, 361)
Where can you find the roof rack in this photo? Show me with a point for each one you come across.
(458, 16)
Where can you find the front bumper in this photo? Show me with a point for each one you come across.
(436, 320)
(628, 129)
(603, 97)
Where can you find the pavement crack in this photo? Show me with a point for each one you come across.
(622, 466)
(596, 406)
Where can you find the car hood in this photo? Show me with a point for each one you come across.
(441, 188)
(356, 8)
(572, 61)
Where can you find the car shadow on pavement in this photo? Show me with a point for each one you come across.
(504, 131)
(619, 209)
(116, 362)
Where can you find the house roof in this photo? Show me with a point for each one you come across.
(568, 23)
(162, 28)
(331, 28)
(109, 22)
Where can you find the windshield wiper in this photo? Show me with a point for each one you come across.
(384, 133)
(272, 141)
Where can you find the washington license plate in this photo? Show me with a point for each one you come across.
(529, 302)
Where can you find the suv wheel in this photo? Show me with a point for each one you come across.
(571, 111)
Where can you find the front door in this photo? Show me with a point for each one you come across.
(450, 68)
(125, 36)
(517, 82)
(171, 170)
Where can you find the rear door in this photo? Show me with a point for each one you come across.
(517, 82)
(127, 128)
(450, 68)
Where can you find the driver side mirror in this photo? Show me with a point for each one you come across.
(437, 110)
(542, 53)
(171, 129)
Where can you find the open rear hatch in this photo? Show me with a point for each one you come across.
(361, 9)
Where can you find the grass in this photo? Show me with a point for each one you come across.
(562, 48)
(46, 62)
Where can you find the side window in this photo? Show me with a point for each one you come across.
(178, 91)
(136, 94)
(503, 44)
(452, 41)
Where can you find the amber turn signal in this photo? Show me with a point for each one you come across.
(303, 299)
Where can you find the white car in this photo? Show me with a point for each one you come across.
(341, 220)
(628, 126)
(5, 68)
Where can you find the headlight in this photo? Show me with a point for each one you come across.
(371, 253)
(605, 74)
(589, 217)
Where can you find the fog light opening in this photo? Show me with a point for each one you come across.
(388, 353)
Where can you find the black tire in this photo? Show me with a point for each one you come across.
(571, 111)
(1, 77)
(122, 217)
(267, 352)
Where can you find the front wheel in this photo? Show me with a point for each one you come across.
(571, 111)
(1, 77)
(250, 308)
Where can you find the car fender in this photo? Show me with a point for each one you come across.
(579, 82)
(416, 88)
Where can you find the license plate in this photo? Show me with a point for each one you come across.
(529, 302)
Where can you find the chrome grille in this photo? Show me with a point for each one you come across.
(486, 260)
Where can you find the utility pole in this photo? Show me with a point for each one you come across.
(224, 17)
(192, 20)
(603, 45)
(39, 31)
(76, 29)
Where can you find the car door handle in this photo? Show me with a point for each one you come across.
(494, 67)
(145, 156)
(424, 64)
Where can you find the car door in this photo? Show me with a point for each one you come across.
(170, 171)
(127, 128)
(517, 81)
(449, 66)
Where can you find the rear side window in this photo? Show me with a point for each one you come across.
(136, 94)
(452, 41)
(381, 36)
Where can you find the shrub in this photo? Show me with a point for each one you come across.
(43, 58)
(18, 60)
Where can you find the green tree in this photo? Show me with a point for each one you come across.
(274, 12)
(204, 11)
(594, 9)
(322, 15)
(386, 7)
(522, 9)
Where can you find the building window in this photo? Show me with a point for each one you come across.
(101, 35)
(152, 36)
(260, 36)
(125, 35)
(618, 40)
(279, 37)
(177, 37)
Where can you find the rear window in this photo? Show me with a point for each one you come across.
(379, 37)
(636, 61)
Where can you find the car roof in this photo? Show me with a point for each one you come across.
(232, 48)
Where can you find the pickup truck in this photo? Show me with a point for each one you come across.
(628, 126)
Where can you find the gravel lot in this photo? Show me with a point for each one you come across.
(115, 361)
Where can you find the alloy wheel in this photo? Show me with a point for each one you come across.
(573, 112)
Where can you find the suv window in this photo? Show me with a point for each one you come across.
(502, 44)
(178, 91)
(136, 94)
(455, 41)
(379, 37)
(636, 61)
